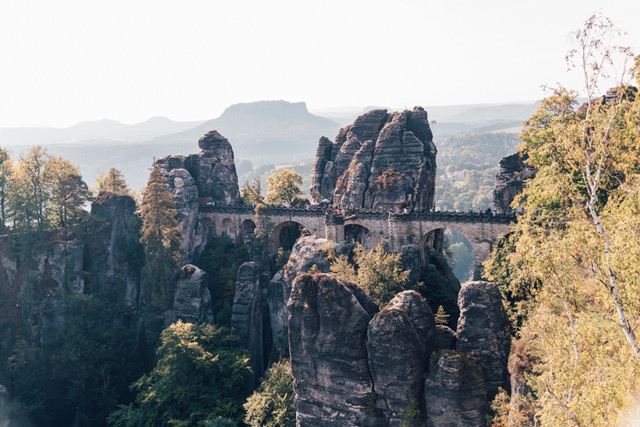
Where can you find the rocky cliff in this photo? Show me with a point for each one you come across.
(510, 178)
(381, 161)
(207, 177)
(355, 366)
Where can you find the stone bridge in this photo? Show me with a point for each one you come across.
(482, 230)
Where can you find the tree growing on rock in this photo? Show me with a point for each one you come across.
(113, 181)
(201, 378)
(272, 404)
(378, 272)
(160, 236)
(578, 239)
(283, 187)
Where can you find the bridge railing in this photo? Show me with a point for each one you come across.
(333, 217)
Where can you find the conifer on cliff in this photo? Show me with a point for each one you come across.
(160, 236)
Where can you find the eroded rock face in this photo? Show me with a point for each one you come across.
(305, 254)
(454, 393)
(327, 335)
(247, 314)
(381, 161)
(52, 277)
(209, 176)
(484, 332)
(401, 338)
(107, 263)
(510, 178)
(192, 299)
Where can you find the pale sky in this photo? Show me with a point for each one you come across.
(68, 61)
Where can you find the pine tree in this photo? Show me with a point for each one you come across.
(113, 182)
(160, 236)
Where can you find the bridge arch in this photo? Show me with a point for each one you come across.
(481, 240)
(359, 234)
(228, 227)
(247, 230)
(285, 234)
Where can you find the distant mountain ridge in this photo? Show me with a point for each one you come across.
(101, 130)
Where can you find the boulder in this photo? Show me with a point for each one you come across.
(510, 178)
(247, 315)
(192, 300)
(381, 161)
(327, 339)
(484, 332)
(454, 392)
(401, 338)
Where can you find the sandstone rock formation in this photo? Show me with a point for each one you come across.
(4, 407)
(327, 335)
(484, 332)
(510, 178)
(192, 300)
(107, 261)
(400, 341)
(306, 253)
(454, 393)
(381, 161)
(445, 338)
(209, 176)
(247, 314)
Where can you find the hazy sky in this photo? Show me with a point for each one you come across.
(68, 61)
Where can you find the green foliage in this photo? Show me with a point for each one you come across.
(6, 173)
(578, 242)
(272, 405)
(412, 417)
(160, 237)
(80, 376)
(467, 165)
(459, 255)
(68, 193)
(222, 259)
(441, 316)
(113, 182)
(283, 187)
(43, 191)
(201, 375)
(379, 273)
(251, 192)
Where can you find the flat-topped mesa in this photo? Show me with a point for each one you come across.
(381, 161)
(208, 176)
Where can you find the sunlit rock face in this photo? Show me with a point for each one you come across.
(401, 338)
(381, 161)
(328, 323)
(484, 332)
(510, 178)
(210, 177)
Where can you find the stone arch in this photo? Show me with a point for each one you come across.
(247, 230)
(435, 238)
(285, 234)
(360, 234)
(228, 227)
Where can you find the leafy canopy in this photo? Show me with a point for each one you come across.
(271, 405)
(202, 375)
(283, 187)
(379, 273)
